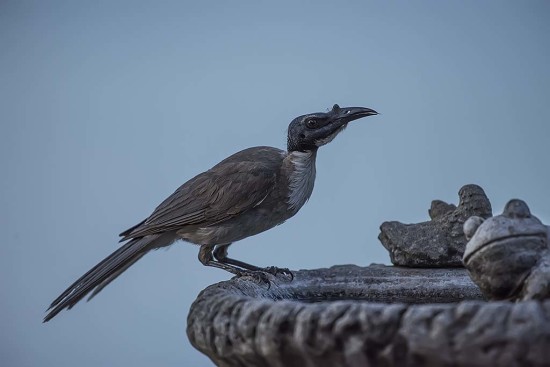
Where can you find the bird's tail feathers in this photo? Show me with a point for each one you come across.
(102, 274)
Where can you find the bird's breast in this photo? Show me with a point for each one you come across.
(301, 172)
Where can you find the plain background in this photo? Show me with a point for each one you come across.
(108, 106)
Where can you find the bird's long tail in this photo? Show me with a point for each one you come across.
(103, 273)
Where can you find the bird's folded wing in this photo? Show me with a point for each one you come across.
(211, 197)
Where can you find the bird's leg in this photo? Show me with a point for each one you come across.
(220, 254)
(206, 258)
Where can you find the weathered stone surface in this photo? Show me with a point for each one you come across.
(397, 316)
(508, 256)
(439, 242)
(353, 316)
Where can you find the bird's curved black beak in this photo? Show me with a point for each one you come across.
(347, 114)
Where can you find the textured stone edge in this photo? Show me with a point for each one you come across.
(241, 323)
(358, 334)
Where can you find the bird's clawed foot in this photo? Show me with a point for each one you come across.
(216, 256)
(275, 271)
(261, 274)
(258, 275)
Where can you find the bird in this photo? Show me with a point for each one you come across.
(245, 194)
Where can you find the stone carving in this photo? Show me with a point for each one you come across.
(439, 242)
(354, 316)
(397, 316)
(508, 256)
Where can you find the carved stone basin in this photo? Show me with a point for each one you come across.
(366, 316)
(428, 314)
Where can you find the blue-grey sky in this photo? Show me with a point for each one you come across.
(108, 106)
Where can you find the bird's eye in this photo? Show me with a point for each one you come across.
(312, 124)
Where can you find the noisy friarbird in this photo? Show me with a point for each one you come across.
(245, 194)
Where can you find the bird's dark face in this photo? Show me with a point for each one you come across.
(309, 132)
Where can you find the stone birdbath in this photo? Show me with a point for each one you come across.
(424, 310)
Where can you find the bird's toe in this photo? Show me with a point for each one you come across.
(275, 271)
(259, 276)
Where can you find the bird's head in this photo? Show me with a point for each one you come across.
(309, 132)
